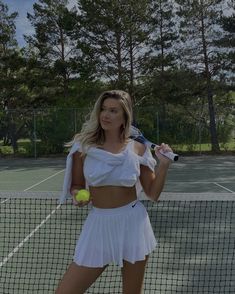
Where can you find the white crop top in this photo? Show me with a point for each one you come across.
(103, 168)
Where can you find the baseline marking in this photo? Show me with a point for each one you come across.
(21, 244)
(36, 184)
(43, 180)
(223, 187)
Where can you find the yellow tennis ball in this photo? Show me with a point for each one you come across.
(82, 195)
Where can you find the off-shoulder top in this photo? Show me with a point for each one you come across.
(103, 168)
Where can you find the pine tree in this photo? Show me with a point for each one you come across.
(161, 56)
(7, 30)
(113, 33)
(227, 45)
(199, 51)
(164, 36)
(54, 26)
(11, 68)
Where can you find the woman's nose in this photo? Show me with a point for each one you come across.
(106, 114)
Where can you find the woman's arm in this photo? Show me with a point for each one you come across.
(153, 182)
(78, 179)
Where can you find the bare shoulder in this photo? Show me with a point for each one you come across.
(77, 154)
(139, 148)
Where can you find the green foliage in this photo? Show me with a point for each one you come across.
(55, 127)
(55, 26)
(7, 29)
(227, 41)
(133, 45)
(113, 35)
(163, 38)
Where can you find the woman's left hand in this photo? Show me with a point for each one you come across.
(160, 150)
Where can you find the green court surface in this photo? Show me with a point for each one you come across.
(199, 174)
(194, 223)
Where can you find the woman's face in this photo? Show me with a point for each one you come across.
(111, 115)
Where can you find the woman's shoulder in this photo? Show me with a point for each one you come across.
(139, 148)
(74, 147)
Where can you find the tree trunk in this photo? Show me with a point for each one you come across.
(161, 36)
(214, 140)
(131, 70)
(64, 74)
(119, 58)
(213, 132)
(13, 137)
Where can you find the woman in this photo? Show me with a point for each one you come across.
(117, 229)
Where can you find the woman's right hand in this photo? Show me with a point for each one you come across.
(78, 203)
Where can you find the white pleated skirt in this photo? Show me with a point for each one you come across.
(110, 236)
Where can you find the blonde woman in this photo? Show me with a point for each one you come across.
(117, 230)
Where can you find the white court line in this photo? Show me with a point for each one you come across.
(223, 187)
(37, 184)
(21, 244)
(193, 182)
(43, 180)
(16, 249)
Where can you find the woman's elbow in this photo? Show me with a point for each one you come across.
(154, 196)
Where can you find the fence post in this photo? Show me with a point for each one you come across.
(158, 131)
(75, 120)
(34, 134)
(200, 134)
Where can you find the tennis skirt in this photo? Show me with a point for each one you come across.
(110, 236)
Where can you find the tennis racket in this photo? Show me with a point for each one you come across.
(138, 136)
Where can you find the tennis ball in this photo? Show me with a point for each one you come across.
(82, 195)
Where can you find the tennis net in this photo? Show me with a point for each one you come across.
(196, 235)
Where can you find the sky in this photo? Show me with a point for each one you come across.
(23, 26)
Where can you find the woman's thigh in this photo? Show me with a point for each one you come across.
(77, 279)
(133, 276)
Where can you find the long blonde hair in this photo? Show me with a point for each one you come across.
(91, 133)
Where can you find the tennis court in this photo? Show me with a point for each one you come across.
(194, 223)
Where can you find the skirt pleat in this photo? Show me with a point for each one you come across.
(113, 235)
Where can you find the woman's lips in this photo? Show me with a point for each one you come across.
(105, 121)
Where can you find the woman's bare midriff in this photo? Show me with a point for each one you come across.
(112, 196)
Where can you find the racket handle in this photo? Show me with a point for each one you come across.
(172, 156)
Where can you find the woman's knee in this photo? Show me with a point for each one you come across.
(77, 279)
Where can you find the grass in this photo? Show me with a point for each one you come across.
(205, 147)
(25, 147)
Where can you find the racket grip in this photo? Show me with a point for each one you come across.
(172, 156)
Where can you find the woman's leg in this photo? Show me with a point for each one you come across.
(78, 279)
(133, 276)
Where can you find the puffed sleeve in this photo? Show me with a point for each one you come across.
(148, 160)
(68, 173)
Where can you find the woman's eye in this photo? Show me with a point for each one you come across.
(109, 110)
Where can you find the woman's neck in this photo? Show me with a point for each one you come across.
(112, 138)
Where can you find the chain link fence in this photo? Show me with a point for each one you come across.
(41, 132)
